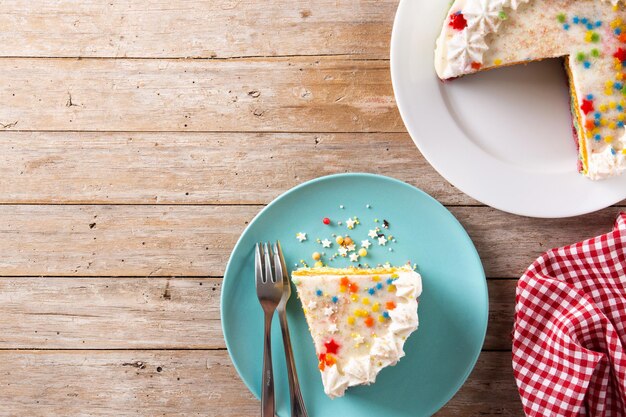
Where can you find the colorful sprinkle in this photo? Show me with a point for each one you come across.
(587, 106)
(457, 21)
(332, 346)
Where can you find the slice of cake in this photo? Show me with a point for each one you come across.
(589, 35)
(359, 320)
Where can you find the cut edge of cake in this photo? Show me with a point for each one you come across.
(591, 164)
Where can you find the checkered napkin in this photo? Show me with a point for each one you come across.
(569, 340)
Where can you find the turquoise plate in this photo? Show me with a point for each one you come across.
(453, 308)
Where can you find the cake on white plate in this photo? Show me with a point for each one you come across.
(589, 35)
(359, 320)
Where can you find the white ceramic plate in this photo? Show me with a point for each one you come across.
(504, 137)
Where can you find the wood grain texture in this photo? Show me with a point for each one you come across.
(110, 313)
(199, 168)
(137, 383)
(197, 240)
(196, 28)
(295, 95)
(149, 313)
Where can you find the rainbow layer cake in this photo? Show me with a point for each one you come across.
(590, 37)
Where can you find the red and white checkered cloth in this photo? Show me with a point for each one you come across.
(569, 340)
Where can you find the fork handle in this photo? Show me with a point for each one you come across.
(297, 402)
(267, 391)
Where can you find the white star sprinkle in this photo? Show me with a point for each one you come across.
(311, 305)
(354, 257)
(366, 243)
(333, 328)
(328, 311)
(342, 251)
(350, 223)
(301, 237)
(351, 247)
(326, 243)
(372, 234)
(382, 241)
(359, 339)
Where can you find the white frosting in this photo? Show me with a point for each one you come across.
(360, 369)
(606, 164)
(483, 16)
(464, 49)
(364, 351)
(334, 382)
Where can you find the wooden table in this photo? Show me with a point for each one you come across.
(138, 138)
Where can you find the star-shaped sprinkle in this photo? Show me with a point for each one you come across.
(333, 328)
(328, 311)
(301, 237)
(382, 241)
(366, 243)
(311, 305)
(359, 339)
(587, 106)
(354, 257)
(342, 251)
(350, 223)
(326, 243)
(331, 347)
(351, 247)
(372, 234)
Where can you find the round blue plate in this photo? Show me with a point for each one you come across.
(453, 308)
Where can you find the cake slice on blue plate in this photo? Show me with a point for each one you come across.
(359, 320)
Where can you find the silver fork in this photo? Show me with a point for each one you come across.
(297, 403)
(269, 290)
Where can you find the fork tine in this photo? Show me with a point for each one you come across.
(279, 272)
(258, 264)
(279, 250)
(269, 273)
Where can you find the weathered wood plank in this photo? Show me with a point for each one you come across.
(110, 313)
(198, 168)
(195, 28)
(119, 240)
(148, 383)
(297, 94)
(148, 313)
(197, 240)
(501, 314)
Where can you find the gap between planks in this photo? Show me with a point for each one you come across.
(348, 57)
